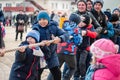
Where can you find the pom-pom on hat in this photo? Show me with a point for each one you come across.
(75, 18)
(99, 1)
(34, 34)
(43, 15)
(103, 48)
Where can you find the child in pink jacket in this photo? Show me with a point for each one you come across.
(106, 63)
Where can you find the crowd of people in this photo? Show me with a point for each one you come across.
(87, 43)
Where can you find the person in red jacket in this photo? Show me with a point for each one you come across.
(83, 56)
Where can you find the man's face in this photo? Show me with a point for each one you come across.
(98, 7)
(81, 6)
(43, 22)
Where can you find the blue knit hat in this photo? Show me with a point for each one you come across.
(34, 34)
(43, 15)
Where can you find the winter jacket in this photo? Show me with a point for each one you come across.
(62, 19)
(1, 38)
(18, 19)
(1, 16)
(70, 46)
(47, 32)
(1, 35)
(111, 70)
(100, 18)
(110, 31)
(96, 25)
(91, 34)
(116, 37)
(25, 65)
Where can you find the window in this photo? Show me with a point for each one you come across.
(63, 5)
(66, 6)
(52, 5)
(56, 5)
(8, 4)
(0, 5)
(18, 4)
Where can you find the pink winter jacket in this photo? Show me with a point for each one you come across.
(112, 70)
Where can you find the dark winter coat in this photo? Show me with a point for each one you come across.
(91, 34)
(1, 38)
(100, 18)
(116, 37)
(18, 18)
(2, 19)
(46, 33)
(110, 31)
(25, 65)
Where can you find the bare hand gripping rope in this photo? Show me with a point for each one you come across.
(31, 45)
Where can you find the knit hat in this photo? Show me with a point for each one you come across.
(43, 15)
(75, 18)
(116, 9)
(99, 1)
(34, 34)
(108, 14)
(114, 18)
(86, 19)
(103, 47)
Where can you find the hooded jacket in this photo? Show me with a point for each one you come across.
(45, 34)
(112, 70)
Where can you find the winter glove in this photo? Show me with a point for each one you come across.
(104, 31)
(99, 30)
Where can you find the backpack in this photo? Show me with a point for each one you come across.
(70, 46)
(91, 70)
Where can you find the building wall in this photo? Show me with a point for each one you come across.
(14, 2)
(111, 4)
(56, 5)
(60, 5)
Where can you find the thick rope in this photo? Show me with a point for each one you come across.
(31, 45)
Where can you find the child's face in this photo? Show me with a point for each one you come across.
(31, 40)
(43, 22)
(81, 24)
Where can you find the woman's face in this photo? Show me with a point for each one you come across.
(97, 7)
(43, 22)
(81, 6)
(89, 6)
